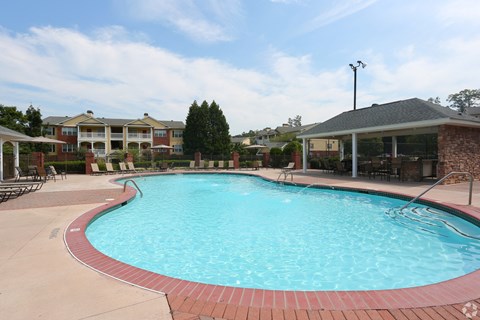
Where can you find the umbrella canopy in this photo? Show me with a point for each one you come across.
(256, 146)
(45, 140)
(161, 146)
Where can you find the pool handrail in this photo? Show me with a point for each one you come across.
(133, 181)
(470, 176)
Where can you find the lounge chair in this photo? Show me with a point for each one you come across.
(9, 193)
(123, 167)
(163, 167)
(231, 165)
(201, 164)
(30, 186)
(192, 165)
(96, 170)
(211, 165)
(221, 164)
(109, 167)
(131, 167)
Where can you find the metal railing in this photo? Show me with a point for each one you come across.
(135, 184)
(440, 181)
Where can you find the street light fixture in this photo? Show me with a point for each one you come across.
(354, 68)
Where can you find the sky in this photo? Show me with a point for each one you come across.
(262, 61)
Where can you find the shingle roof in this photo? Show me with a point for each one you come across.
(388, 114)
(55, 120)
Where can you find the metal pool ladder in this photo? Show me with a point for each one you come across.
(135, 184)
(440, 181)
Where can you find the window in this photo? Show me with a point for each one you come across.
(160, 133)
(178, 148)
(68, 131)
(49, 131)
(177, 133)
(69, 148)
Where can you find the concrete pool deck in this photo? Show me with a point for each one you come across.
(40, 279)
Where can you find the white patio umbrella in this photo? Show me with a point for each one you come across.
(45, 140)
(160, 147)
(257, 146)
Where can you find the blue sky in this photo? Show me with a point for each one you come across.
(262, 61)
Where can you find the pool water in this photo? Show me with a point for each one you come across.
(244, 231)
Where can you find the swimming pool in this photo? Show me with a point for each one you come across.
(264, 235)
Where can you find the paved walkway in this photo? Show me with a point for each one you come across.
(39, 279)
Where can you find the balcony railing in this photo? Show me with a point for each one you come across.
(116, 136)
(91, 135)
(98, 152)
(139, 136)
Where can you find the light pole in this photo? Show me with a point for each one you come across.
(354, 68)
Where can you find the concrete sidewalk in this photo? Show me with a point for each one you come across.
(38, 276)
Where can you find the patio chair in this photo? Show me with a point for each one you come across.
(339, 168)
(231, 165)
(95, 170)
(221, 164)
(288, 170)
(163, 167)
(192, 165)
(30, 186)
(44, 175)
(110, 169)
(201, 164)
(55, 173)
(395, 167)
(21, 174)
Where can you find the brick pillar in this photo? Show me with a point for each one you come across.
(236, 160)
(296, 157)
(128, 157)
(266, 159)
(89, 159)
(38, 159)
(198, 158)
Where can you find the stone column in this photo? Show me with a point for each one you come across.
(296, 158)
(89, 159)
(198, 157)
(266, 159)
(39, 159)
(236, 160)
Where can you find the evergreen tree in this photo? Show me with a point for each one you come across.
(219, 131)
(206, 130)
(34, 118)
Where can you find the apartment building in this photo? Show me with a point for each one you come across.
(103, 136)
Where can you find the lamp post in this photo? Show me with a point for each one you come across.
(354, 68)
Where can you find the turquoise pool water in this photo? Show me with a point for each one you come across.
(247, 232)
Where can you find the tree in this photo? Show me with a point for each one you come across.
(206, 130)
(34, 119)
(219, 131)
(292, 147)
(435, 100)
(12, 118)
(464, 99)
(295, 122)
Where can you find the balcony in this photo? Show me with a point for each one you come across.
(134, 136)
(91, 136)
(116, 136)
(99, 153)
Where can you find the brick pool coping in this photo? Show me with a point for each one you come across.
(222, 301)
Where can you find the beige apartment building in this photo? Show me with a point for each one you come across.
(104, 136)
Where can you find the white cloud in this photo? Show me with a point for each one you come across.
(65, 72)
(208, 21)
(459, 11)
(339, 10)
